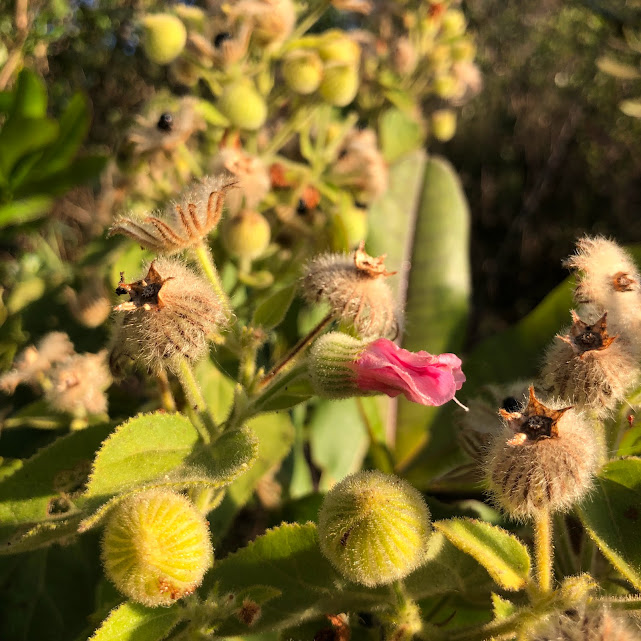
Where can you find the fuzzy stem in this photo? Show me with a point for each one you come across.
(271, 391)
(543, 549)
(166, 397)
(631, 602)
(297, 350)
(196, 400)
(203, 256)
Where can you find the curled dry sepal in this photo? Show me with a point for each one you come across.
(342, 366)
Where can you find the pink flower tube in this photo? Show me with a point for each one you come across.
(420, 376)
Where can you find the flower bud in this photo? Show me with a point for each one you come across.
(156, 547)
(164, 37)
(170, 314)
(589, 368)
(303, 71)
(545, 458)
(355, 288)
(374, 528)
(340, 84)
(243, 105)
(443, 124)
(247, 234)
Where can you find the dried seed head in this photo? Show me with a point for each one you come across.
(170, 314)
(247, 234)
(587, 625)
(373, 528)
(361, 167)
(156, 547)
(33, 362)
(184, 223)
(79, 384)
(589, 368)
(273, 20)
(355, 288)
(608, 280)
(250, 175)
(544, 458)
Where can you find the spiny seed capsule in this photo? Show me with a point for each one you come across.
(544, 459)
(589, 368)
(355, 288)
(586, 625)
(373, 528)
(164, 37)
(156, 547)
(170, 314)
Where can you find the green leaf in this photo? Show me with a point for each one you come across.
(630, 444)
(30, 99)
(22, 136)
(501, 607)
(612, 513)
(135, 622)
(217, 389)
(400, 134)
(24, 210)
(504, 557)
(29, 494)
(271, 311)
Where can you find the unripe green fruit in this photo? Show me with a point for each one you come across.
(339, 85)
(164, 37)
(446, 87)
(156, 547)
(247, 234)
(443, 124)
(335, 46)
(463, 50)
(349, 227)
(453, 23)
(303, 71)
(374, 528)
(243, 105)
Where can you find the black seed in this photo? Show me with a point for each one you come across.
(302, 207)
(589, 340)
(165, 122)
(537, 427)
(150, 292)
(510, 404)
(223, 36)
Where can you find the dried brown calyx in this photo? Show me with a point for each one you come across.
(143, 293)
(622, 282)
(535, 422)
(585, 338)
(369, 265)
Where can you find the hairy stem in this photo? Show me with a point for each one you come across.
(196, 400)
(543, 549)
(203, 256)
(166, 397)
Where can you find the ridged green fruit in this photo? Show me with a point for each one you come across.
(164, 37)
(243, 105)
(340, 84)
(374, 528)
(303, 71)
(156, 547)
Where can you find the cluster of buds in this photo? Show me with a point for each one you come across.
(72, 383)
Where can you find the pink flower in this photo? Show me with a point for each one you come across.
(423, 378)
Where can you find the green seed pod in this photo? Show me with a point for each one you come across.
(247, 234)
(454, 23)
(164, 37)
(156, 547)
(340, 84)
(243, 105)
(336, 46)
(374, 528)
(446, 87)
(443, 124)
(303, 71)
(349, 227)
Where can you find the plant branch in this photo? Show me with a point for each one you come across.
(543, 549)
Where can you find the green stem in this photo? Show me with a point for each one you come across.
(588, 553)
(310, 19)
(631, 602)
(166, 397)
(203, 256)
(196, 400)
(543, 549)
(257, 404)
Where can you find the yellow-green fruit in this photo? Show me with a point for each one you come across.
(453, 23)
(164, 37)
(243, 105)
(443, 124)
(446, 87)
(463, 50)
(247, 234)
(349, 227)
(156, 547)
(335, 46)
(374, 528)
(303, 71)
(339, 85)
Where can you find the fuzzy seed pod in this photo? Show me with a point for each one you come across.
(34, 361)
(355, 288)
(170, 314)
(589, 368)
(243, 105)
(340, 84)
(79, 384)
(443, 124)
(247, 234)
(183, 223)
(164, 37)
(303, 71)
(373, 528)
(608, 280)
(587, 625)
(156, 547)
(545, 458)
(274, 20)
